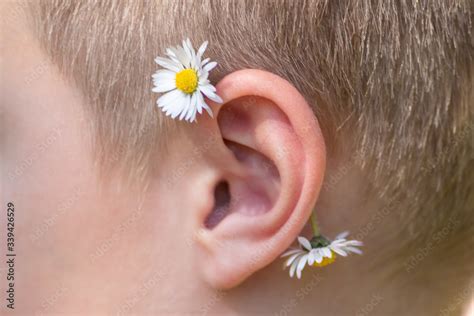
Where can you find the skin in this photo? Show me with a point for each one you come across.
(91, 245)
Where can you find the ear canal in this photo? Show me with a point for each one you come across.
(221, 205)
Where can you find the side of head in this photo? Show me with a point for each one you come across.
(362, 113)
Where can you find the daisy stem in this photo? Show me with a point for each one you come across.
(314, 224)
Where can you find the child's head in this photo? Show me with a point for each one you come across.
(376, 97)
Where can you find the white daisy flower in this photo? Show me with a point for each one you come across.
(319, 252)
(185, 81)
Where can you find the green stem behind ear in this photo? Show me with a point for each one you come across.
(314, 224)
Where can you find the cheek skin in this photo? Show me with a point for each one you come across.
(81, 245)
(69, 230)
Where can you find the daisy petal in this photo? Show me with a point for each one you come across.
(293, 266)
(301, 265)
(290, 252)
(216, 99)
(342, 235)
(192, 113)
(205, 61)
(172, 107)
(354, 250)
(190, 47)
(164, 86)
(189, 51)
(168, 64)
(199, 102)
(354, 243)
(318, 257)
(204, 104)
(208, 109)
(203, 75)
(291, 259)
(202, 49)
(310, 258)
(338, 251)
(172, 55)
(181, 55)
(326, 252)
(168, 98)
(210, 66)
(305, 243)
(189, 108)
(184, 111)
(163, 74)
(207, 90)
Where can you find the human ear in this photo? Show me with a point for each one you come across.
(270, 175)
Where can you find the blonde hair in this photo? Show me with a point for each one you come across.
(389, 80)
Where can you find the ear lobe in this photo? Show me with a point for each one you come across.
(276, 140)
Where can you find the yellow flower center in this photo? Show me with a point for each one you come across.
(187, 80)
(325, 261)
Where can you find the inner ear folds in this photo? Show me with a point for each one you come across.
(254, 191)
